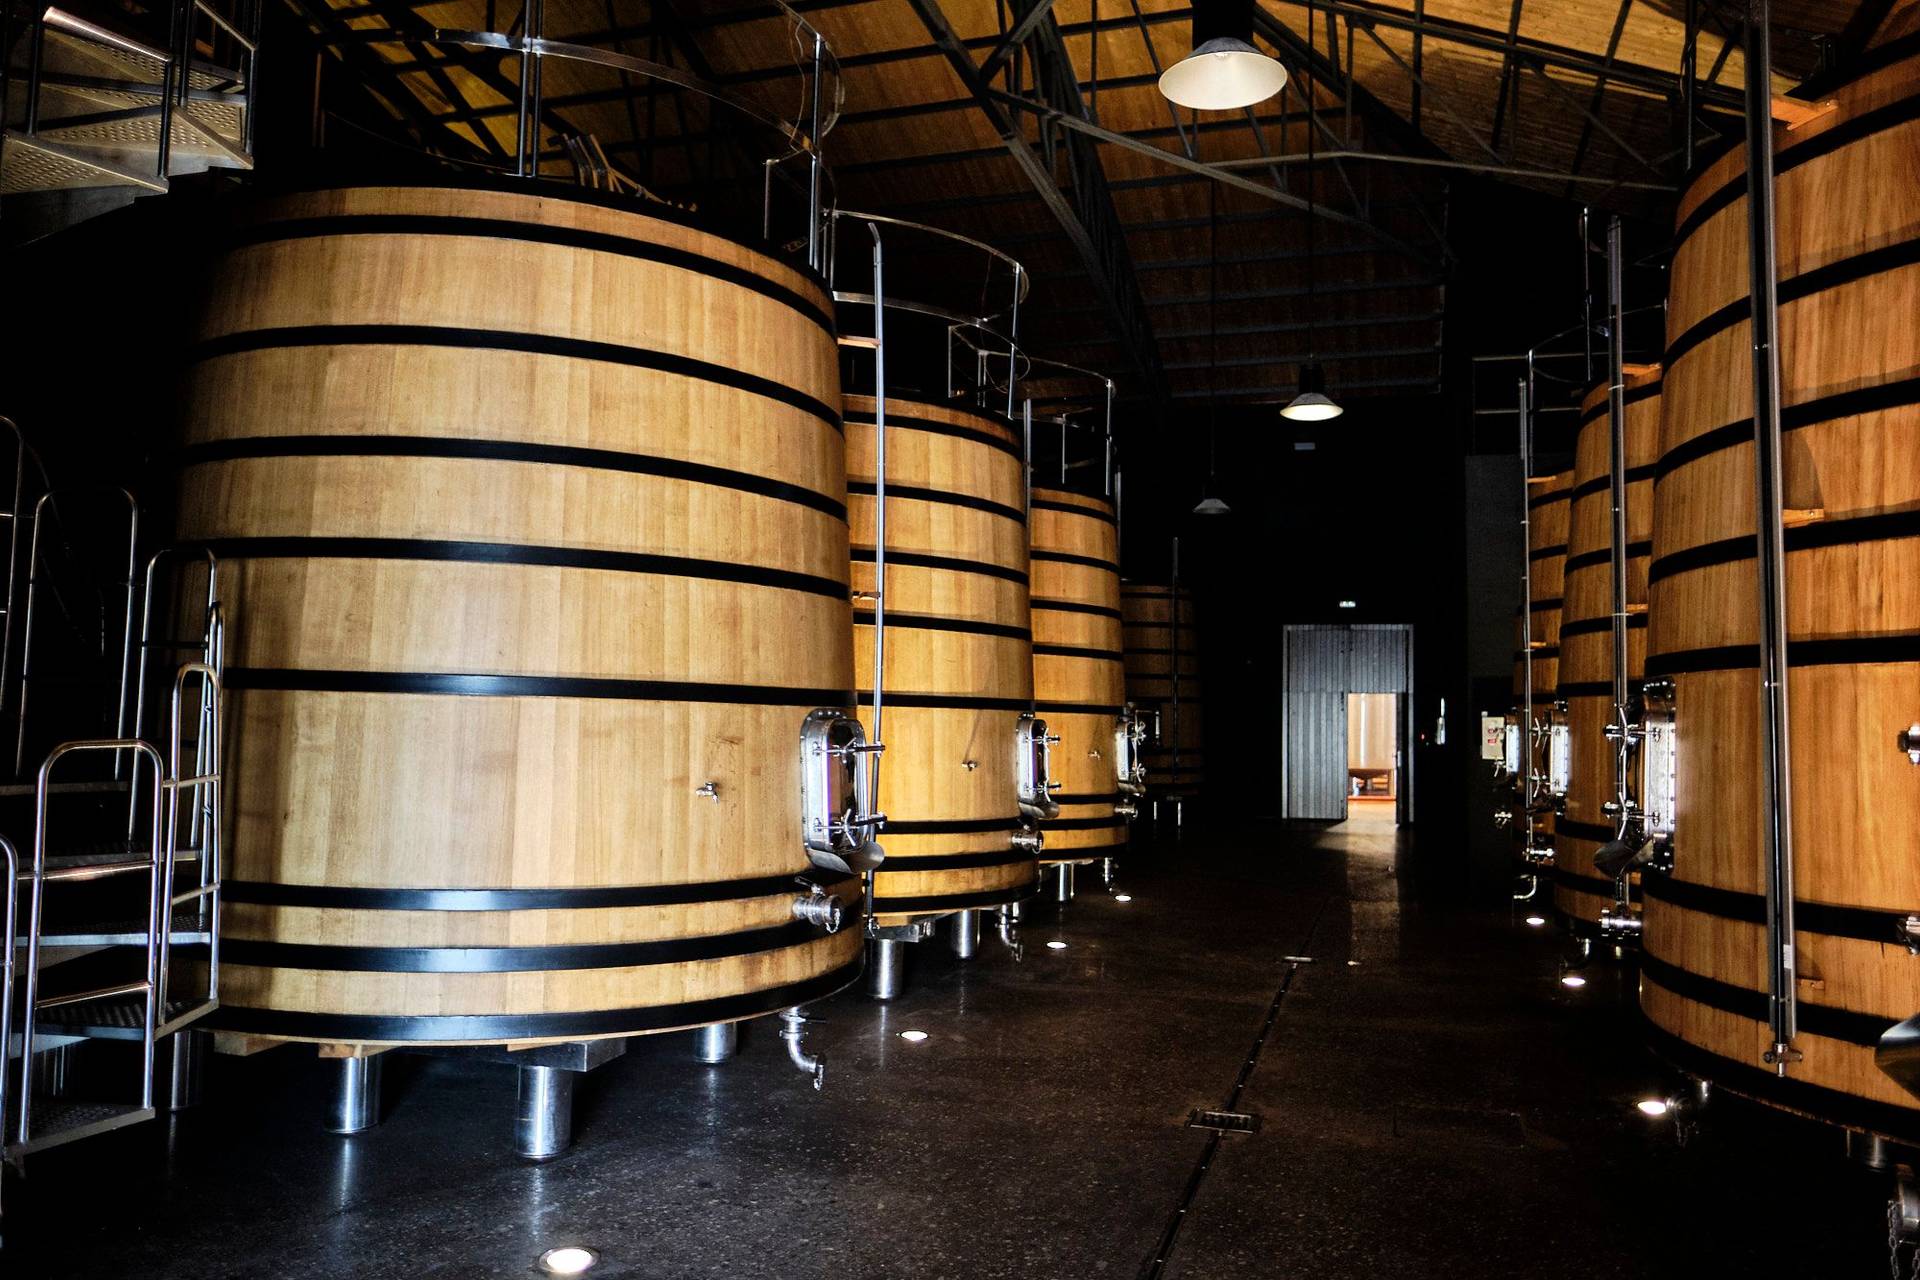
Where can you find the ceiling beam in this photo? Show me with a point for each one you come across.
(1226, 177)
(1036, 14)
(1088, 220)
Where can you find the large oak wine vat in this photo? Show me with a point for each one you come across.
(1849, 284)
(959, 653)
(1079, 683)
(1536, 634)
(531, 513)
(1585, 671)
(1159, 642)
(1548, 498)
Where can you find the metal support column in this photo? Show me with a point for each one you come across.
(965, 936)
(543, 1123)
(355, 1104)
(716, 1042)
(1776, 790)
(1063, 882)
(886, 968)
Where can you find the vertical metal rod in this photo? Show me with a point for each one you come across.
(1526, 603)
(520, 130)
(36, 56)
(1173, 646)
(1026, 449)
(1586, 289)
(1776, 774)
(186, 1067)
(126, 624)
(1617, 490)
(11, 907)
(14, 517)
(1013, 336)
(813, 169)
(537, 30)
(175, 77)
(1107, 464)
(879, 510)
(1689, 68)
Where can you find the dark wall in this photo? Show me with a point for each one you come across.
(1405, 506)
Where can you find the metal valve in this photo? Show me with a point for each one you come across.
(819, 908)
(711, 790)
(1909, 742)
(1620, 926)
(1026, 840)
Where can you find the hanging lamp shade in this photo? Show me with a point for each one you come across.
(1313, 403)
(1224, 72)
(1212, 506)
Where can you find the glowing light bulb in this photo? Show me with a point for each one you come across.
(1655, 1107)
(568, 1260)
(1573, 980)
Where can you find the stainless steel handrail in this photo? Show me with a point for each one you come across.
(156, 919)
(820, 112)
(1068, 417)
(962, 326)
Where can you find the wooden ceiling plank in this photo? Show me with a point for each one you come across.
(1600, 87)
(1106, 261)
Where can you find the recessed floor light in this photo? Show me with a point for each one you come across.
(913, 1037)
(1655, 1107)
(1536, 921)
(1573, 980)
(568, 1260)
(1123, 897)
(1056, 945)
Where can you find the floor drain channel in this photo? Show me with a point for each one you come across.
(1224, 1121)
(1216, 1123)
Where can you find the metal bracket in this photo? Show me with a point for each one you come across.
(1033, 767)
(836, 793)
(912, 931)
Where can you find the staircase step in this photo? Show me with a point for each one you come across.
(122, 933)
(120, 1017)
(35, 164)
(57, 1121)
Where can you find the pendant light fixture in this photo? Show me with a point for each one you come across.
(1224, 72)
(1312, 404)
(1210, 505)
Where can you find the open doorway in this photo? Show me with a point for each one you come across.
(1373, 746)
(1346, 723)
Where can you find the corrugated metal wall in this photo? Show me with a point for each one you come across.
(1323, 665)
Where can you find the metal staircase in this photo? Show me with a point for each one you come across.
(111, 900)
(123, 95)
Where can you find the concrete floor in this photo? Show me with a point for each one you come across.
(1433, 1103)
